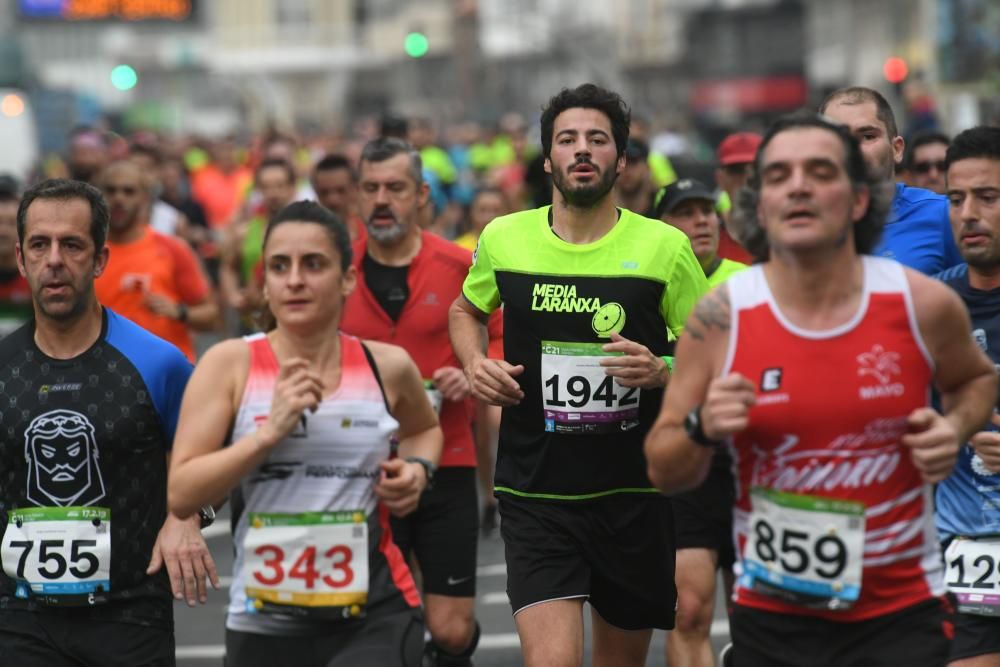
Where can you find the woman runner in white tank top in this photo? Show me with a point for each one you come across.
(296, 425)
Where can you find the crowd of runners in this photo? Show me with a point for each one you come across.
(783, 380)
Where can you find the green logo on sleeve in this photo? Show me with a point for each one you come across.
(609, 319)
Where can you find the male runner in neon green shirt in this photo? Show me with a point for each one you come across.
(592, 297)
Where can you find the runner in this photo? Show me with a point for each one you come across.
(590, 296)
(702, 517)
(92, 403)
(336, 187)
(925, 161)
(736, 155)
(968, 502)
(819, 374)
(297, 422)
(917, 232)
(15, 293)
(407, 279)
(238, 271)
(151, 278)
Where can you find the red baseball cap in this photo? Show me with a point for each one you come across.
(739, 148)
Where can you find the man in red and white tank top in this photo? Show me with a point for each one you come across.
(815, 369)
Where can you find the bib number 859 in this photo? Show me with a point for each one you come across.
(796, 550)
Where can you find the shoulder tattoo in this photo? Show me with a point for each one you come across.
(711, 312)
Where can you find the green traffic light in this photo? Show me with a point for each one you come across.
(124, 77)
(416, 45)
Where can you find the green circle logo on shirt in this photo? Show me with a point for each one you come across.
(609, 319)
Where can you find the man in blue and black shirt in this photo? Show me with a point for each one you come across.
(968, 502)
(87, 418)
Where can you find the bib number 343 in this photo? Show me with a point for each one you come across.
(311, 560)
(805, 549)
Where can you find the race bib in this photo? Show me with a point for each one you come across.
(578, 396)
(61, 553)
(434, 396)
(310, 564)
(973, 575)
(807, 550)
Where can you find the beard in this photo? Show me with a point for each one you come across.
(586, 195)
(386, 234)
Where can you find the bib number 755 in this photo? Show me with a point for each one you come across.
(54, 562)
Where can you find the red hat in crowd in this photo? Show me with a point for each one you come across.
(739, 148)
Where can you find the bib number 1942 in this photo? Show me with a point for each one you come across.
(578, 394)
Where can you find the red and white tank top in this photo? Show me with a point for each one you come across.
(832, 519)
(328, 464)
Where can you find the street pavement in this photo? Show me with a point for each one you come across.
(200, 631)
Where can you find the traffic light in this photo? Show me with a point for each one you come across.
(895, 70)
(12, 105)
(124, 77)
(416, 44)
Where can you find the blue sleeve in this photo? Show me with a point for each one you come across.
(164, 369)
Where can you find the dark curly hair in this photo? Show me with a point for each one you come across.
(588, 96)
(867, 230)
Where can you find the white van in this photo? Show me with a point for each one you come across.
(18, 134)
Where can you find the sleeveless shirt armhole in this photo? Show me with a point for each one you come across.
(378, 376)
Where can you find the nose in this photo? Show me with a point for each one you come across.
(382, 196)
(968, 210)
(295, 275)
(54, 256)
(799, 182)
(701, 218)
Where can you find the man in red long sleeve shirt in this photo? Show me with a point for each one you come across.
(407, 280)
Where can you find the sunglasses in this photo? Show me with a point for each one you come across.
(925, 167)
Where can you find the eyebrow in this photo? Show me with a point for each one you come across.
(810, 162)
(867, 128)
(308, 255)
(980, 189)
(587, 132)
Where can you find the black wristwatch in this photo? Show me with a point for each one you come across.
(429, 468)
(182, 312)
(207, 515)
(694, 430)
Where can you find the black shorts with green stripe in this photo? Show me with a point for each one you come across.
(616, 551)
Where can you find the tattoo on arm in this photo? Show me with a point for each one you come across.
(712, 311)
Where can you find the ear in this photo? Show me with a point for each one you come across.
(423, 194)
(620, 165)
(547, 166)
(898, 146)
(859, 206)
(20, 260)
(349, 281)
(101, 261)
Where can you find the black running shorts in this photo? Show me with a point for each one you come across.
(617, 552)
